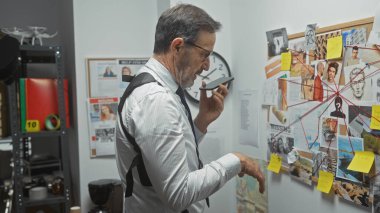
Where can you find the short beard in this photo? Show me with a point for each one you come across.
(183, 79)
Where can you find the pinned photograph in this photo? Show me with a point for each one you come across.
(307, 82)
(352, 56)
(319, 69)
(277, 41)
(332, 74)
(347, 146)
(280, 141)
(320, 51)
(359, 118)
(310, 37)
(302, 169)
(354, 36)
(329, 132)
(329, 159)
(298, 64)
(352, 192)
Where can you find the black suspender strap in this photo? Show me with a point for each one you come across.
(138, 162)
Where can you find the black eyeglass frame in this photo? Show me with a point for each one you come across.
(208, 52)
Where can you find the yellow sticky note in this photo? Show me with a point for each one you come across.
(362, 161)
(286, 60)
(375, 119)
(325, 181)
(334, 47)
(32, 126)
(275, 163)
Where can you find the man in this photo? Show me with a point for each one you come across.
(354, 57)
(318, 87)
(332, 70)
(357, 83)
(157, 117)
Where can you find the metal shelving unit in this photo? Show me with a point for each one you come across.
(40, 55)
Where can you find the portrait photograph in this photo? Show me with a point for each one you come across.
(331, 75)
(352, 56)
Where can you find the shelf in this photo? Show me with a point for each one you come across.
(51, 199)
(48, 61)
(6, 140)
(42, 165)
(38, 54)
(42, 133)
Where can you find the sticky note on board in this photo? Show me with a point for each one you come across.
(275, 163)
(334, 47)
(325, 181)
(286, 60)
(362, 161)
(375, 119)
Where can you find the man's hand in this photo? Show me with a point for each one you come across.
(210, 108)
(251, 168)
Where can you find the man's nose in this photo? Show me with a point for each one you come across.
(206, 64)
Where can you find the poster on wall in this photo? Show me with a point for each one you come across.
(102, 125)
(248, 130)
(108, 77)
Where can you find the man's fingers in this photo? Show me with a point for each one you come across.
(203, 92)
(261, 180)
(222, 89)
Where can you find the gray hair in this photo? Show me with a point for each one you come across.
(182, 20)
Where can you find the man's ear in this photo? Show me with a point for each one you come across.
(176, 44)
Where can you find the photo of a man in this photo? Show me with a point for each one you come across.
(354, 59)
(333, 71)
(318, 86)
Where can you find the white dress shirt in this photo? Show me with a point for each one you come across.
(154, 115)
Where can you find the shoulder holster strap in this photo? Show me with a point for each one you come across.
(138, 162)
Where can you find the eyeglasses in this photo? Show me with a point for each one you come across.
(208, 52)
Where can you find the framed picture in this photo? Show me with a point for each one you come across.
(108, 77)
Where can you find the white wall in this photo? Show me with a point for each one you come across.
(250, 21)
(116, 28)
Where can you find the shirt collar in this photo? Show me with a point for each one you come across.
(162, 74)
